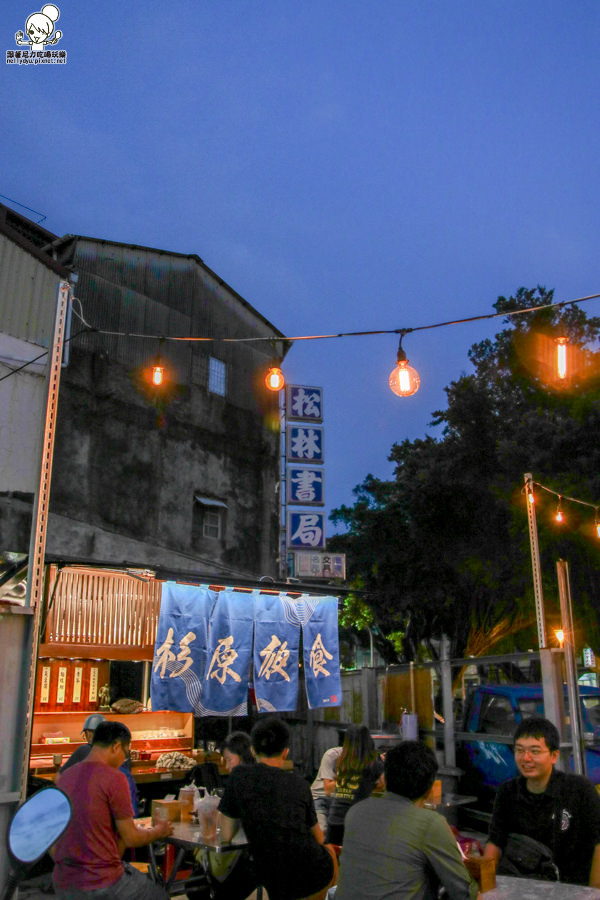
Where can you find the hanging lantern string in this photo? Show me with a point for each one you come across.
(90, 329)
(562, 496)
(342, 334)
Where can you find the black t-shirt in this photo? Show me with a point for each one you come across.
(277, 811)
(351, 787)
(565, 817)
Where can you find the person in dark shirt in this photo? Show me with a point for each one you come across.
(560, 810)
(359, 771)
(278, 815)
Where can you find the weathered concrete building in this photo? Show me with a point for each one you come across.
(185, 476)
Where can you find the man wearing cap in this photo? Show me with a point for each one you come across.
(81, 753)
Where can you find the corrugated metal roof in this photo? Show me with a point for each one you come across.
(28, 291)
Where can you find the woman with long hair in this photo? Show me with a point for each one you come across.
(359, 771)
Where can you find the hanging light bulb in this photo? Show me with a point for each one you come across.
(530, 495)
(158, 373)
(560, 516)
(597, 523)
(404, 380)
(561, 357)
(560, 636)
(274, 379)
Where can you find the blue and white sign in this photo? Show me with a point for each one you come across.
(305, 486)
(304, 403)
(305, 443)
(306, 530)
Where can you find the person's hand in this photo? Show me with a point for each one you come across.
(162, 829)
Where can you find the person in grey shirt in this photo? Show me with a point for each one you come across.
(323, 786)
(394, 848)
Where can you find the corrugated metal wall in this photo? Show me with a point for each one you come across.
(27, 295)
(134, 290)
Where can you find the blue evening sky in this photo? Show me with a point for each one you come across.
(343, 165)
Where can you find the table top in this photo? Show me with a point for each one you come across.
(450, 799)
(188, 836)
(510, 888)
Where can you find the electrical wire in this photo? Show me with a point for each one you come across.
(90, 329)
(342, 334)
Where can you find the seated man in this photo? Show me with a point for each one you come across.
(88, 855)
(393, 847)
(560, 810)
(277, 812)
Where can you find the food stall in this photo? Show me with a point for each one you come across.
(156, 653)
(99, 625)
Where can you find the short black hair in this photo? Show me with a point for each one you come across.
(270, 737)
(410, 769)
(539, 727)
(107, 733)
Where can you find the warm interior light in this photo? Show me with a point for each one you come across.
(597, 526)
(561, 356)
(560, 636)
(560, 516)
(158, 374)
(530, 496)
(274, 379)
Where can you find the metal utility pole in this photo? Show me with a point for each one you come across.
(535, 562)
(41, 507)
(566, 614)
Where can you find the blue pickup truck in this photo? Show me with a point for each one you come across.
(497, 709)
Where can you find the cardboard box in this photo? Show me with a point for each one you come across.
(166, 809)
(483, 871)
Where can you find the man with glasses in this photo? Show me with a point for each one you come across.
(87, 857)
(559, 810)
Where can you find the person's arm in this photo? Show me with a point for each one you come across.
(329, 786)
(444, 857)
(492, 851)
(133, 835)
(229, 827)
(317, 833)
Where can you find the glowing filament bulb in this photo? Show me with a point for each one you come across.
(158, 373)
(274, 379)
(597, 527)
(530, 496)
(561, 357)
(560, 516)
(560, 636)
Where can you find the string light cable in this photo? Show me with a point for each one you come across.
(559, 515)
(87, 328)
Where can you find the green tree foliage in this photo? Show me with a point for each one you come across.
(444, 547)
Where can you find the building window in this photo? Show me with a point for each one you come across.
(217, 376)
(211, 523)
(208, 518)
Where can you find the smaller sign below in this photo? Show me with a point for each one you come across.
(318, 565)
(305, 486)
(589, 658)
(303, 402)
(305, 444)
(306, 530)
